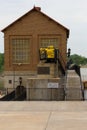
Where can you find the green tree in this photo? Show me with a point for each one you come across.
(79, 60)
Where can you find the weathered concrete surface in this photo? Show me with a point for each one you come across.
(45, 89)
(43, 115)
(73, 86)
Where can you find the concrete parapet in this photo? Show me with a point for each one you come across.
(73, 86)
(44, 89)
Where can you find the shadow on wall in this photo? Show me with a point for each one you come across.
(19, 90)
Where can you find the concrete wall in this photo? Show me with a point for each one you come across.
(11, 78)
(73, 86)
(44, 89)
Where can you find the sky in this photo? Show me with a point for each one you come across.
(70, 13)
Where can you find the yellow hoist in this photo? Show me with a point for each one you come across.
(49, 54)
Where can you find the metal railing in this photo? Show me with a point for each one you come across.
(12, 95)
(8, 97)
(61, 61)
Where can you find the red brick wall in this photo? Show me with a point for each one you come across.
(34, 25)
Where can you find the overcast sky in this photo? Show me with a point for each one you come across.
(70, 13)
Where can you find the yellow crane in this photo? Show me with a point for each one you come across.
(49, 54)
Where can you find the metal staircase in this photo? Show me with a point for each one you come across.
(11, 97)
(8, 97)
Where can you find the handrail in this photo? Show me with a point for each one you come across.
(8, 97)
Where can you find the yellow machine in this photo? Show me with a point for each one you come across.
(49, 54)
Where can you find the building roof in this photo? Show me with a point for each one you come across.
(38, 9)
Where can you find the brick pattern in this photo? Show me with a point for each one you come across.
(34, 26)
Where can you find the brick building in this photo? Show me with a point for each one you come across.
(22, 40)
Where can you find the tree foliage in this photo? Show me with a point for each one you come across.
(79, 60)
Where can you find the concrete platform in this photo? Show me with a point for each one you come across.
(53, 115)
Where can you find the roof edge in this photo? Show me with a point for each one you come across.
(39, 10)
